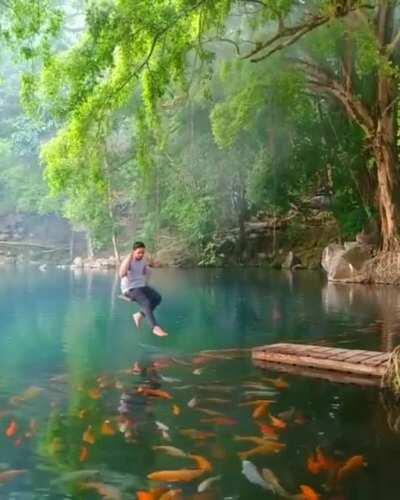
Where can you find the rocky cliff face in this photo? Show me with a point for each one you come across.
(38, 238)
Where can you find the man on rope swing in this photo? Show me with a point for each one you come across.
(134, 273)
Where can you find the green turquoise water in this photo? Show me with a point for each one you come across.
(69, 337)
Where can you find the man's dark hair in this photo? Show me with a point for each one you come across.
(138, 244)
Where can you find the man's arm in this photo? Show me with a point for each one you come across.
(123, 268)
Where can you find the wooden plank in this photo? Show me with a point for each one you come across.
(348, 354)
(328, 364)
(330, 375)
(376, 360)
(359, 358)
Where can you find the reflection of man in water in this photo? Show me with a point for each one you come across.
(134, 273)
(134, 409)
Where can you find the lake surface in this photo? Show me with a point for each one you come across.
(67, 344)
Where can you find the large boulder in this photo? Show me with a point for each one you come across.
(344, 263)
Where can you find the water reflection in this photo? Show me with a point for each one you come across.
(379, 304)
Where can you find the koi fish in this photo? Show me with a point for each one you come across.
(260, 441)
(268, 431)
(192, 403)
(171, 451)
(276, 422)
(12, 429)
(84, 455)
(11, 474)
(204, 485)
(215, 387)
(31, 393)
(156, 393)
(351, 465)
(197, 435)
(257, 402)
(106, 491)
(181, 362)
(219, 421)
(260, 411)
(170, 380)
(274, 484)
(202, 463)
(266, 449)
(94, 393)
(161, 426)
(176, 476)
(262, 394)
(151, 495)
(211, 413)
(198, 371)
(176, 410)
(318, 463)
(88, 436)
(307, 493)
(216, 400)
(107, 429)
(249, 470)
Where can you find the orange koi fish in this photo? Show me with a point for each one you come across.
(307, 493)
(260, 411)
(84, 455)
(12, 429)
(351, 465)
(151, 495)
(104, 490)
(266, 449)
(107, 429)
(277, 422)
(260, 441)
(268, 431)
(219, 421)
(94, 393)
(155, 393)
(176, 476)
(88, 436)
(202, 463)
(257, 402)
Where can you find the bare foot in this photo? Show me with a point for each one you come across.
(159, 332)
(137, 319)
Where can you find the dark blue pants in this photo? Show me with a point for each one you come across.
(148, 299)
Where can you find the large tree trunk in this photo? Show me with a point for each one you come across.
(386, 154)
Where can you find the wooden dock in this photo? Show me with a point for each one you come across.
(331, 363)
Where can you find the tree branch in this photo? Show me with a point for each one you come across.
(287, 36)
(322, 81)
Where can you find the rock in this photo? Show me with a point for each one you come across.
(291, 261)
(77, 262)
(345, 264)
